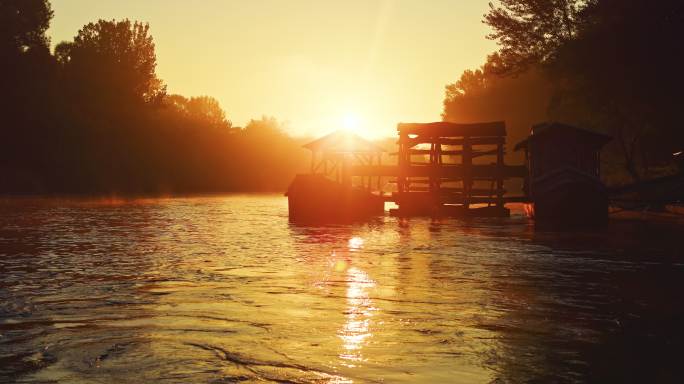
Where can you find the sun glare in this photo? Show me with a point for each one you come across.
(352, 122)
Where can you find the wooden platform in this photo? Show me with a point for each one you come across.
(436, 173)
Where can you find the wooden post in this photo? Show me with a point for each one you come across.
(499, 176)
(433, 166)
(467, 162)
(403, 160)
(379, 176)
(436, 160)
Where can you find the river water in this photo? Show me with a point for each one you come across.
(223, 289)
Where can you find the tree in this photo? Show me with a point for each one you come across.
(624, 71)
(27, 74)
(268, 155)
(115, 58)
(530, 31)
(613, 64)
(483, 95)
(23, 24)
(204, 110)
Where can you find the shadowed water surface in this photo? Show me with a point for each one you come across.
(224, 289)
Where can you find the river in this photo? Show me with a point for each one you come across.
(223, 289)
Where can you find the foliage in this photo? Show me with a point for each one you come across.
(23, 24)
(115, 58)
(94, 118)
(610, 65)
(531, 31)
(202, 109)
(481, 95)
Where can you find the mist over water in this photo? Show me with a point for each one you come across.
(224, 289)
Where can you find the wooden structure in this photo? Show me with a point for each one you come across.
(455, 169)
(335, 155)
(442, 169)
(331, 192)
(564, 182)
(448, 168)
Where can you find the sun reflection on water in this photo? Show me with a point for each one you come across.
(357, 328)
(355, 243)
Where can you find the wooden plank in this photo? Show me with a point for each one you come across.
(446, 171)
(450, 152)
(442, 128)
(474, 191)
(409, 197)
(475, 141)
(420, 139)
(414, 196)
(477, 192)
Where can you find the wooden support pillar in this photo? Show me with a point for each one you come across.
(403, 162)
(433, 166)
(379, 176)
(467, 160)
(499, 176)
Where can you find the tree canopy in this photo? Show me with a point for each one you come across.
(610, 65)
(530, 32)
(117, 57)
(23, 24)
(95, 118)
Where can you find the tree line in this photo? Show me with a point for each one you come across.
(613, 66)
(94, 118)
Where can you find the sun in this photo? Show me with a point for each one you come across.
(352, 122)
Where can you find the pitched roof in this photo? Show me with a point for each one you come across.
(343, 141)
(542, 129)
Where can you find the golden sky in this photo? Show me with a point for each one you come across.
(316, 64)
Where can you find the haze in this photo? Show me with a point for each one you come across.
(318, 65)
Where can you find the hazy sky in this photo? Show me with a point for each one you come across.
(315, 64)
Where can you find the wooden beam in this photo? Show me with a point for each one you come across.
(420, 139)
(442, 128)
(423, 152)
(446, 171)
(452, 199)
(478, 192)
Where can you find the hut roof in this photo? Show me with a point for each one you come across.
(592, 138)
(343, 142)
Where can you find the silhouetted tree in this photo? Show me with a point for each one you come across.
(114, 58)
(27, 75)
(611, 64)
(531, 31)
(623, 72)
(203, 108)
(268, 154)
(94, 118)
(482, 95)
(23, 24)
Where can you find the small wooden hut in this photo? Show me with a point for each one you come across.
(331, 192)
(564, 182)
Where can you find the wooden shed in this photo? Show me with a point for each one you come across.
(564, 182)
(331, 192)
